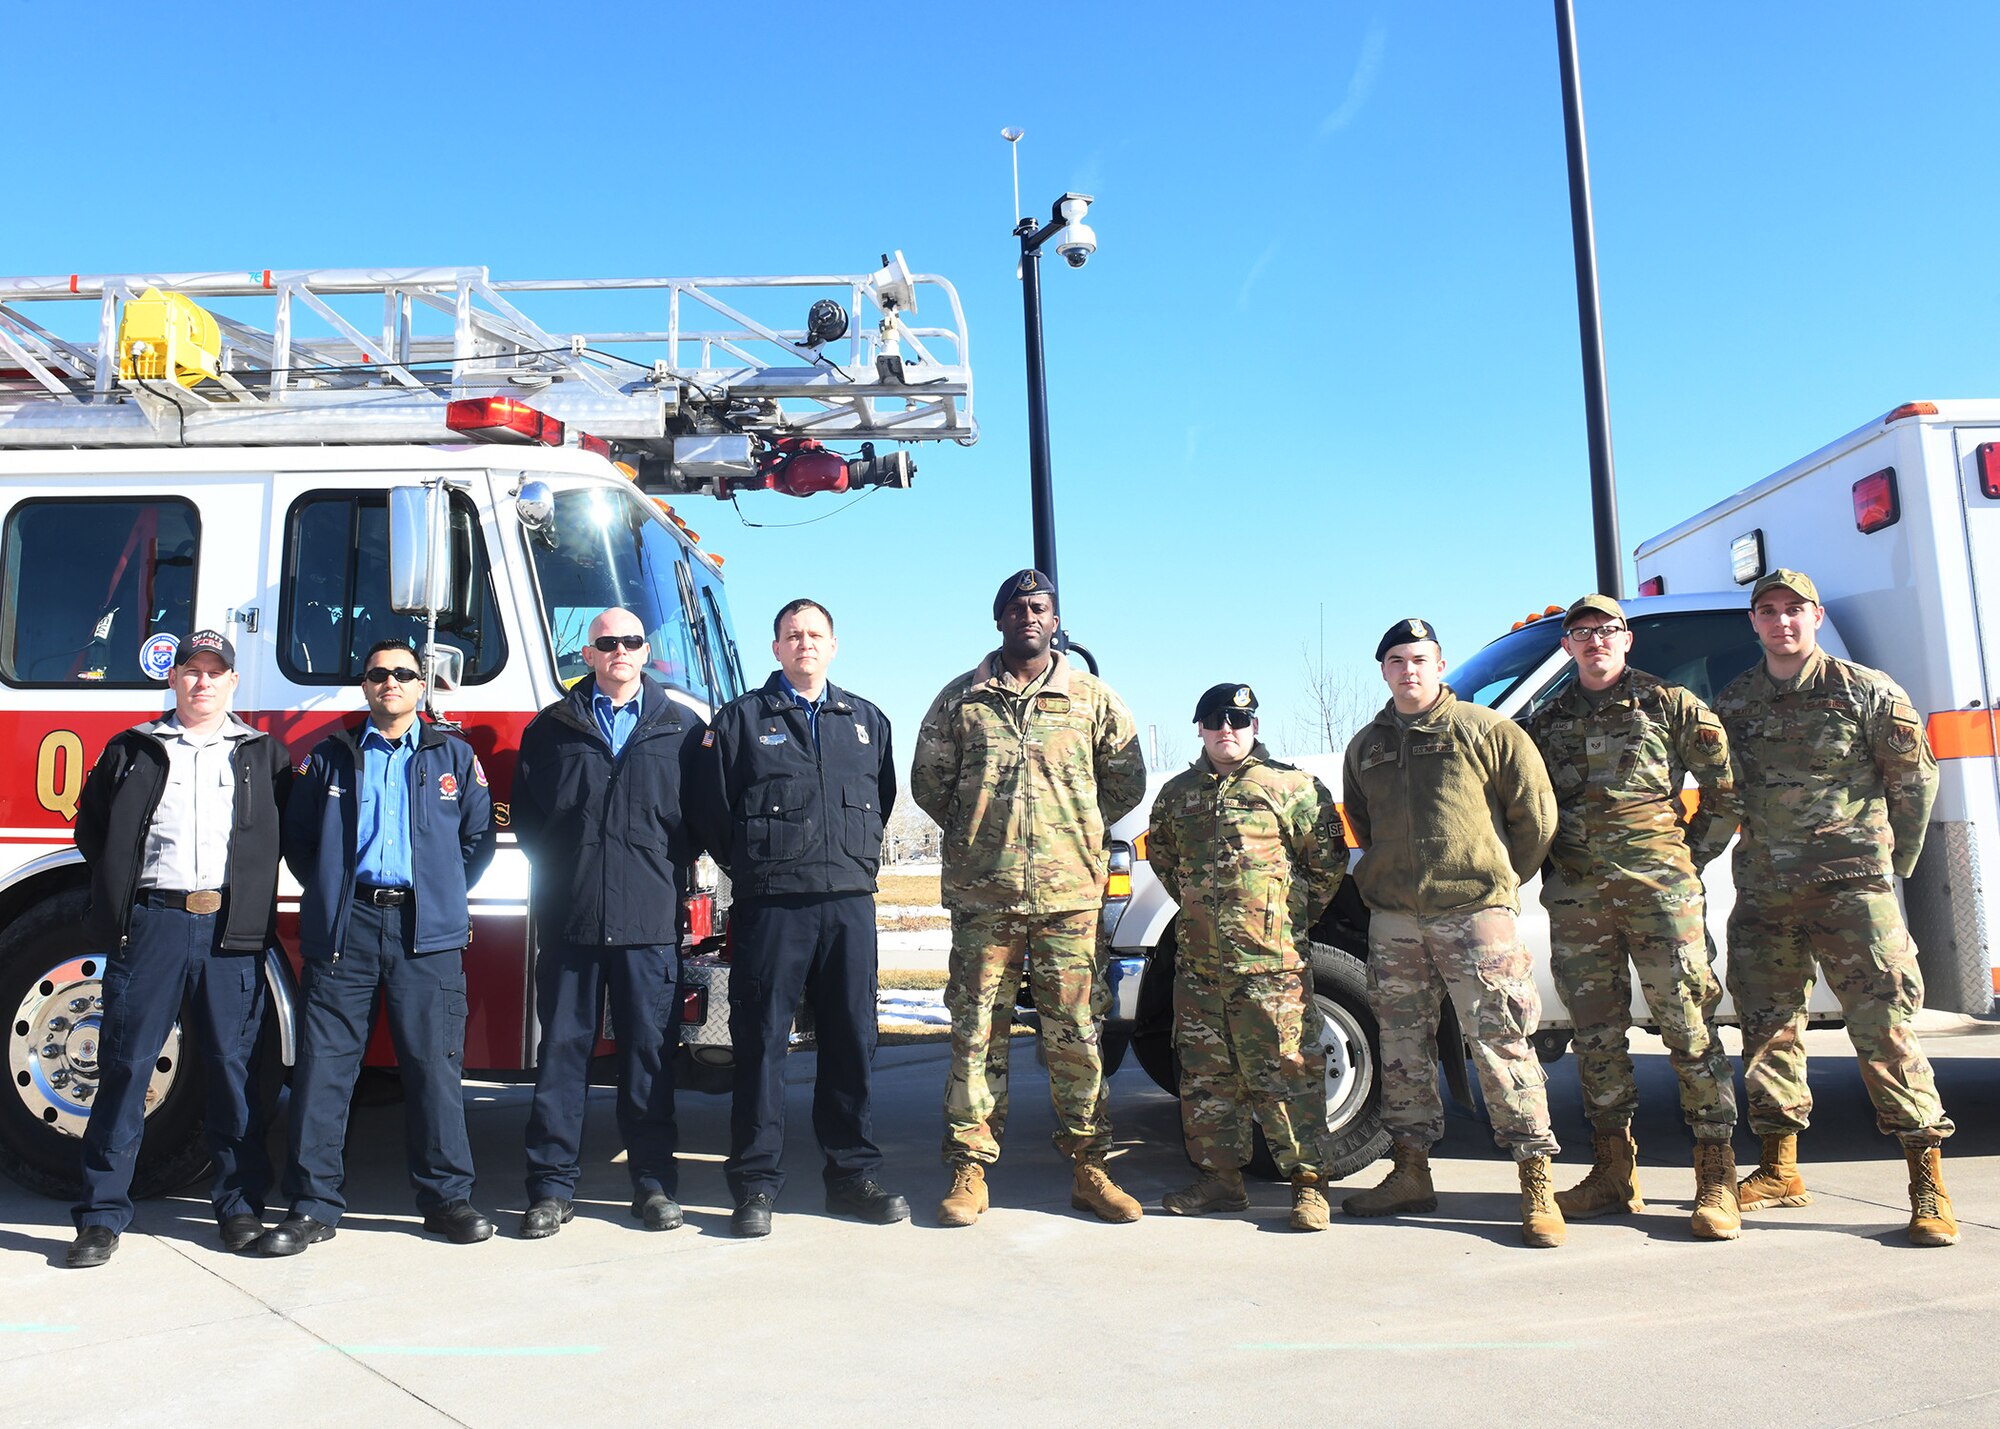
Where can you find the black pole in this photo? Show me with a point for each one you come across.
(1596, 402)
(1041, 488)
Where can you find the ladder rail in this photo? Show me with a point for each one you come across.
(732, 370)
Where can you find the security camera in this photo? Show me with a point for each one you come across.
(1076, 243)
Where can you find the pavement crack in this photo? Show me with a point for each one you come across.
(313, 1334)
(1924, 1408)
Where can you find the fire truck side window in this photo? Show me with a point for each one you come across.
(85, 585)
(336, 590)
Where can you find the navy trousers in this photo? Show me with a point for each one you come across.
(823, 944)
(173, 957)
(571, 984)
(424, 1001)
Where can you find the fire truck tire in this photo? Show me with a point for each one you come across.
(1355, 1136)
(49, 993)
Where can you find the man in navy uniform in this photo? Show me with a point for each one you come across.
(389, 824)
(792, 801)
(179, 825)
(597, 808)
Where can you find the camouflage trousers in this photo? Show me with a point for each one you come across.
(988, 955)
(1855, 930)
(1479, 959)
(1600, 932)
(1244, 1053)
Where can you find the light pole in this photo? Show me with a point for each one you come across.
(1596, 401)
(1075, 242)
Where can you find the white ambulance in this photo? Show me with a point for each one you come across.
(1899, 525)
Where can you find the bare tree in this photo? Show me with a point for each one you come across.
(1337, 704)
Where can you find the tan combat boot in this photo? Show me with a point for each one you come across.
(1776, 1180)
(1215, 1191)
(1541, 1220)
(1309, 1208)
(1094, 1190)
(1612, 1185)
(1406, 1190)
(1715, 1214)
(1931, 1221)
(966, 1200)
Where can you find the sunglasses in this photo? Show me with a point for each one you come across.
(1235, 719)
(608, 643)
(382, 675)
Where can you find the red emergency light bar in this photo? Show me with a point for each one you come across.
(1653, 585)
(1986, 456)
(1875, 501)
(503, 419)
(595, 444)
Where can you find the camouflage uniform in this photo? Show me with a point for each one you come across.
(1024, 779)
(1622, 890)
(1836, 782)
(1252, 857)
(1453, 811)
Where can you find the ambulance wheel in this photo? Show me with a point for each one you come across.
(52, 997)
(1354, 1133)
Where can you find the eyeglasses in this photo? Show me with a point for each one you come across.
(382, 675)
(1235, 719)
(1591, 634)
(608, 643)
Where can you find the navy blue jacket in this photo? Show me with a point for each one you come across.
(783, 817)
(605, 836)
(451, 838)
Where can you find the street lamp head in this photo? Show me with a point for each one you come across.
(1012, 135)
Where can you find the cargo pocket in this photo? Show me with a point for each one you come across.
(862, 825)
(775, 827)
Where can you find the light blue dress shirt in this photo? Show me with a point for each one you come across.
(615, 722)
(383, 825)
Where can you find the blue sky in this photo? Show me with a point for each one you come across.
(1325, 356)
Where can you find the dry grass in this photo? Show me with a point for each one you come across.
(911, 922)
(908, 890)
(913, 979)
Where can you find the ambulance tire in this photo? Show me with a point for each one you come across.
(1355, 1136)
(35, 1150)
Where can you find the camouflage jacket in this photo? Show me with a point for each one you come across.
(1024, 780)
(1618, 766)
(1833, 772)
(1453, 814)
(1252, 856)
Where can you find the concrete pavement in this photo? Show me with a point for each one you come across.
(1818, 1316)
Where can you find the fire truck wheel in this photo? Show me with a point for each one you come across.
(1354, 1132)
(51, 995)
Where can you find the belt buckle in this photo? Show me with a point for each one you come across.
(386, 897)
(207, 900)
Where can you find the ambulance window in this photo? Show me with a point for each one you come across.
(87, 584)
(336, 590)
(1700, 650)
(1703, 650)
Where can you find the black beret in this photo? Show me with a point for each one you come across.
(1403, 632)
(1226, 696)
(1028, 582)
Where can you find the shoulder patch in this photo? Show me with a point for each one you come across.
(478, 772)
(302, 766)
(708, 739)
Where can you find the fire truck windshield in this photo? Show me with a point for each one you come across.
(607, 547)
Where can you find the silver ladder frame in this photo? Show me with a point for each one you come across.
(710, 369)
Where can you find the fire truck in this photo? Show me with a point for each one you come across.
(312, 461)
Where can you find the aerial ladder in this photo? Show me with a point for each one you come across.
(704, 386)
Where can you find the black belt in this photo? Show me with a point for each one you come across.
(198, 900)
(382, 897)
